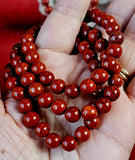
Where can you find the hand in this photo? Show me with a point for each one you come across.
(115, 136)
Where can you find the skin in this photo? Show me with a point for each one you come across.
(115, 137)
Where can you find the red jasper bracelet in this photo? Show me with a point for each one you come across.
(27, 77)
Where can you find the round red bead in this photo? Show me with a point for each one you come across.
(46, 77)
(58, 106)
(83, 46)
(93, 13)
(82, 134)
(30, 119)
(28, 47)
(72, 90)
(48, 9)
(45, 2)
(94, 2)
(116, 37)
(72, 114)
(94, 64)
(100, 76)
(27, 78)
(25, 105)
(57, 86)
(45, 99)
(84, 31)
(103, 55)
(94, 35)
(103, 105)
(93, 123)
(35, 89)
(69, 143)
(89, 54)
(116, 80)
(101, 45)
(112, 27)
(87, 86)
(13, 54)
(53, 140)
(42, 129)
(6, 73)
(89, 112)
(11, 83)
(15, 61)
(107, 19)
(98, 17)
(21, 68)
(27, 38)
(38, 68)
(114, 50)
(32, 57)
(112, 92)
(18, 93)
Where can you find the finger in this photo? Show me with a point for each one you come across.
(59, 31)
(131, 90)
(130, 29)
(122, 10)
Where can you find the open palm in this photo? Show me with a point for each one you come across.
(115, 136)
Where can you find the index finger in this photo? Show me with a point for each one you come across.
(60, 29)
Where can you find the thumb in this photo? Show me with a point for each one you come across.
(131, 90)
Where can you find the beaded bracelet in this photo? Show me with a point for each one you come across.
(27, 77)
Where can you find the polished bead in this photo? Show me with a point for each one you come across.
(57, 86)
(30, 119)
(115, 80)
(112, 27)
(48, 9)
(42, 129)
(112, 92)
(85, 30)
(82, 134)
(27, 78)
(72, 114)
(100, 76)
(89, 54)
(93, 13)
(103, 105)
(11, 83)
(94, 64)
(21, 68)
(87, 86)
(117, 68)
(98, 92)
(18, 93)
(28, 47)
(35, 89)
(89, 112)
(17, 47)
(6, 73)
(27, 38)
(38, 68)
(94, 35)
(83, 46)
(94, 2)
(114, 50)
(25, 105)
(15, 61)
(69, 143)
(103, 55)
(52, 140)
(58, 106)
(93, 123)
(107, 19)
(72, 90)
(45, 2)
(109, 63)
(46, 77)
(45, 99)
(32, 57)
(98, 17)
(101, 45)
(116, 37)
(13, 54)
